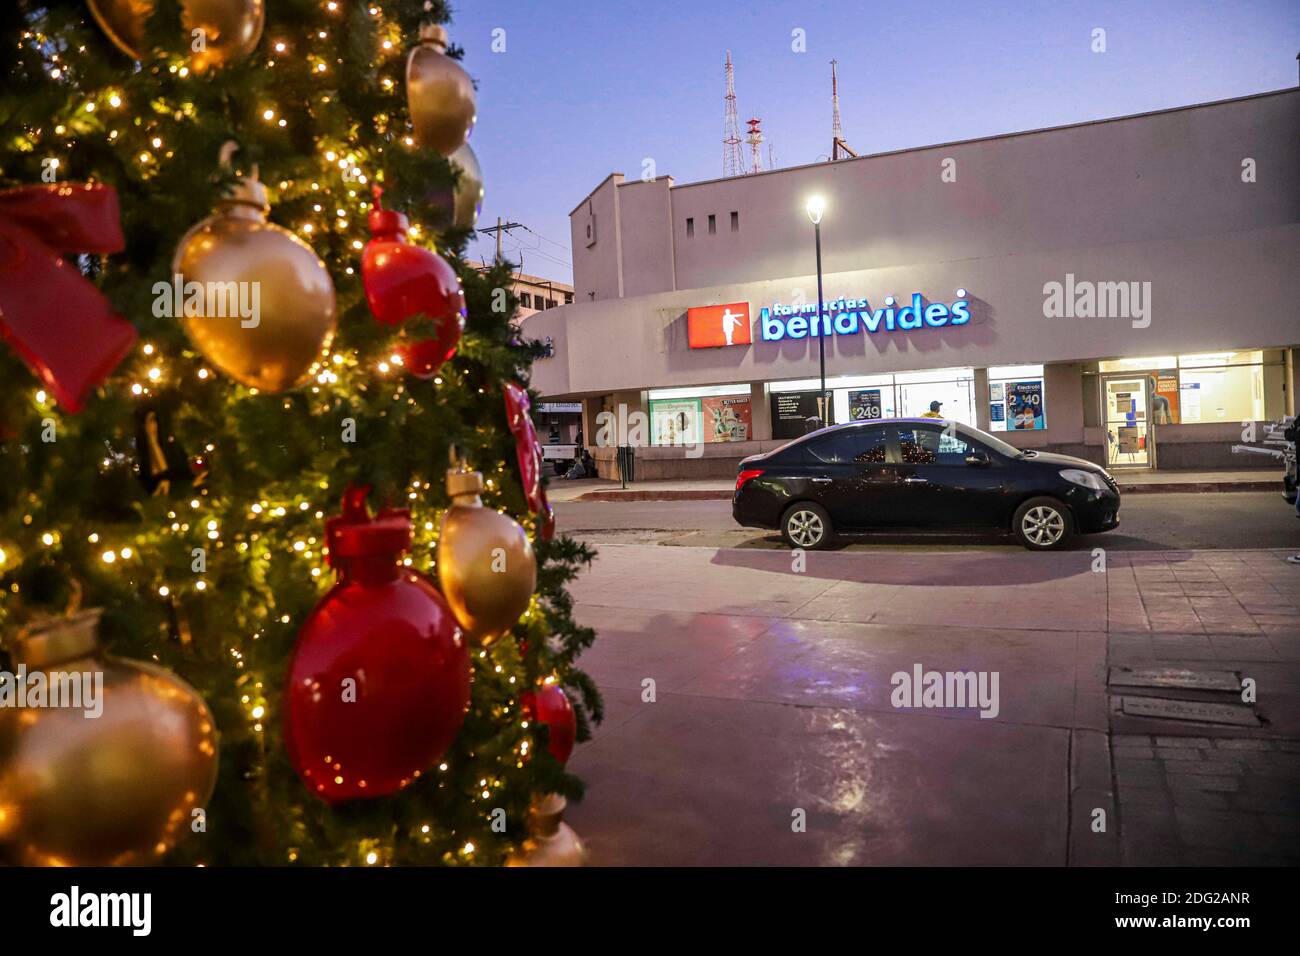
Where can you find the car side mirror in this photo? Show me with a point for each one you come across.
(977, 459)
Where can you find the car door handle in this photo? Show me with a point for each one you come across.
(822, 480)
(914, 481)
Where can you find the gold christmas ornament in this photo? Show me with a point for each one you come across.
(486, 565)
(439, 94)
(119, 788)
(551, 841)
(230, 29)
(463, 201)
(256, 300)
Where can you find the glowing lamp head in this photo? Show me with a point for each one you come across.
(815, 206)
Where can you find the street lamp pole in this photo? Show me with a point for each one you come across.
(821, 329)
(815, 207)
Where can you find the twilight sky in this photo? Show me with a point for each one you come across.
(589, 87)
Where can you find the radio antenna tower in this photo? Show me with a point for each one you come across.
(732, 163)
(837, 131)
(755, 141)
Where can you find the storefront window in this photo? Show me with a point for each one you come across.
(1225, 393)
(688, 416)
(1017, 398)
(1205, 387)
(953, 387)
(856, 398)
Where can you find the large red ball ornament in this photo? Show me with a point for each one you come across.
(379, 680)
(549, 705)
(403, 281)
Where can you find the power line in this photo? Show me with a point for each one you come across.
(498, 229)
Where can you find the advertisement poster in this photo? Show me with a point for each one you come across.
(995, 392)
(675, 421)
(727, 418)
(1025, 405)
(790, 412)
(1164, 403)
(998, 416)
(865, 405)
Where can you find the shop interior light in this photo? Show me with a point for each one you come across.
(815, 206)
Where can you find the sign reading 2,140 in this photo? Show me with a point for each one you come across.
(850, 316)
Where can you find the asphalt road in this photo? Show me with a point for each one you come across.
(1229, 520)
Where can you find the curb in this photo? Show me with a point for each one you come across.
(1154, 488)
(699, 494)
(1195, 487)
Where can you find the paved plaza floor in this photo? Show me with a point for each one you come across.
(751, 720)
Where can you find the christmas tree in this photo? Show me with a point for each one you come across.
(174, 466)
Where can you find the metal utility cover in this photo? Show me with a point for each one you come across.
(1162, 708)
(1174, 677)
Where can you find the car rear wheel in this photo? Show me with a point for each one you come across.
(1043, 524)
(807, 526)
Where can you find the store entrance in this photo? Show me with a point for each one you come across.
(1126, 414)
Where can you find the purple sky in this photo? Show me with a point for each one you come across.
(589, 87)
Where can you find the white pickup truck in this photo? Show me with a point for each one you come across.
(560, 456)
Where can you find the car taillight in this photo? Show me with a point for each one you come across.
(747, 475)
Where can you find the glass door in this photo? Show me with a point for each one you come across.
(1127, 417)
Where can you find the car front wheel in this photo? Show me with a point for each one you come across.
(807, 526)
(1043, 524)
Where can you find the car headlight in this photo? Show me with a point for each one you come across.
(1088, 479)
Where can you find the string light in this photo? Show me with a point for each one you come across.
(143, 141)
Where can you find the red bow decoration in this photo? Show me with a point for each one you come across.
(52, 315)
(529, 451)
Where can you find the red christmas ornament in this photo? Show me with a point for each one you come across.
(529, 452)
(379, 681)
(55, 318)
(403, 281)
(550, 706)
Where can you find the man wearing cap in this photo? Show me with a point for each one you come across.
(934, 410)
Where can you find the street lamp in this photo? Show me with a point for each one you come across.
(815, 206)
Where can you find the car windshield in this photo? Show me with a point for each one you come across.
(984, 438)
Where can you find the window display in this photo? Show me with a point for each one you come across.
(712, 413)
(1016, 398)
(675, 421)
(1207, 387)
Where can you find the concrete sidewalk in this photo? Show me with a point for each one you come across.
(600, 489)
(745, 696)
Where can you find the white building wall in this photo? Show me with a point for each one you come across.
(1240, 290)
(1173, 174)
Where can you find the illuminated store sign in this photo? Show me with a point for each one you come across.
(850, 316)
(717, 326)
(713, 326)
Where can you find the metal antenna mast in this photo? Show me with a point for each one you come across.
(837, 131)
(732, 163)
(755, 141)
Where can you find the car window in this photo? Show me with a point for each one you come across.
(932, 446)
(864, 446)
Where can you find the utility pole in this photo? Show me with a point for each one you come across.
(498, 229)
